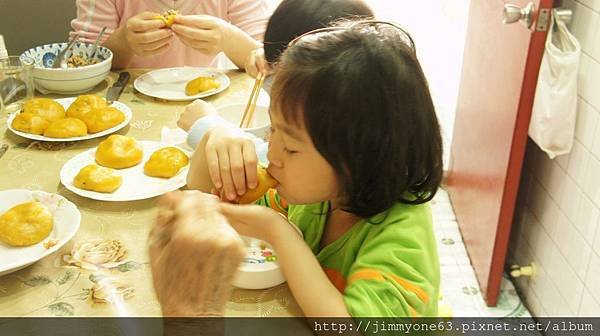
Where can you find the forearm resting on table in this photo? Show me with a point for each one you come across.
(310, 286)
(117, 43)
(198, 177)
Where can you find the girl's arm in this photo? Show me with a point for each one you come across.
(298, 263)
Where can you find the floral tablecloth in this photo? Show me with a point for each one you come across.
(121, 285)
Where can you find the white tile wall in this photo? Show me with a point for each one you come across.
(558, 217)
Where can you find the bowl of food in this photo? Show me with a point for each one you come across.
(82, 73)
(260, 268)
(260, 125)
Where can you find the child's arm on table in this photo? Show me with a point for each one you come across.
(295, 258)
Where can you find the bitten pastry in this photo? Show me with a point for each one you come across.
(119, 151)
(102, 118)
(30, 123)
(95, 178)
(66, 128)
(265, 182)
(168, 17)
(26, 224)
(84, 104)
(46, 108)
(166, 162)
(200, 84)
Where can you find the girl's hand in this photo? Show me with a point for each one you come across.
(194, 111)
(205, 33)
(146, 35)
(193, 250)
(231, 160)
(256, 63)
(257, 221)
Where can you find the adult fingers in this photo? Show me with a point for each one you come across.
(250, 162)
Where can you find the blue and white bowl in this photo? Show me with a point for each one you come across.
(71, 80)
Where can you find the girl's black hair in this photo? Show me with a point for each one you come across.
(364, 100)
(293, 18)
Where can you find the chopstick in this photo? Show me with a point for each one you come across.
(250, 107)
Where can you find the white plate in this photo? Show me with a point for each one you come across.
(169, 84)
(136, 185)
(66, 102)
(66, 223)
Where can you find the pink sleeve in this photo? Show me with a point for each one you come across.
(92, 15)
(250, 15)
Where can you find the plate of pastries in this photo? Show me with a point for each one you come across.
(33, 225)
(69, 119)
(122, 168)
(182, 84)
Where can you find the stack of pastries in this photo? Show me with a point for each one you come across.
(88, 114)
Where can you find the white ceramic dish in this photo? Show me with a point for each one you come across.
(66, 102)
(70, 80)
(169, 84)
(136, 185)
(66, 223)
(260, 268)
(261, 124)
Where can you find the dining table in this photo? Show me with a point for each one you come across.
(120, 284)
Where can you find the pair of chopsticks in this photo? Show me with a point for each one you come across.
(250, 107)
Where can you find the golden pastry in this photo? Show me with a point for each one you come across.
(95, 178)
(102, 118)
(66, 128)
(168, 17)
(200, 84)
(84, 104)
(46, 108)
(166, 162)
(119, 151)
(265, 182)
(26, 224)
(30, 123)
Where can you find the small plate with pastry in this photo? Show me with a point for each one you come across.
(182, 83)
(122, 168)
(69, 119)
(33, 225)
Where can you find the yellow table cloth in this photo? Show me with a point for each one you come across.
(50, 287)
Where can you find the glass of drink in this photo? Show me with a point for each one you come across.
(16, 82)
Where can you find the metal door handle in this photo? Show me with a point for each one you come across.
(513, 13)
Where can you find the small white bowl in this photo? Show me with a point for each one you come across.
(71, 80)
(261, 124)
(260, 269)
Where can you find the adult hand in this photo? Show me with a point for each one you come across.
(256, 63)
(194, 255)
(204, 33)
(146, 35)
(194, 111)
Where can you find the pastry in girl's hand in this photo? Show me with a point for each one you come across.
(166, 162)
(200, 84)
(30, 123)
(66, 128)
(168, 17)
(265, 182)
(119, 151)
(102, 118)
(26, 224)
(46, 108)
(95, 178)
(84, 104)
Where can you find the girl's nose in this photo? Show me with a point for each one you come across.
(274, 156)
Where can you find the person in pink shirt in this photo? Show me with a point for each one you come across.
(201, 30)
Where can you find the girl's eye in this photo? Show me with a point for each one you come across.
(289, 151)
